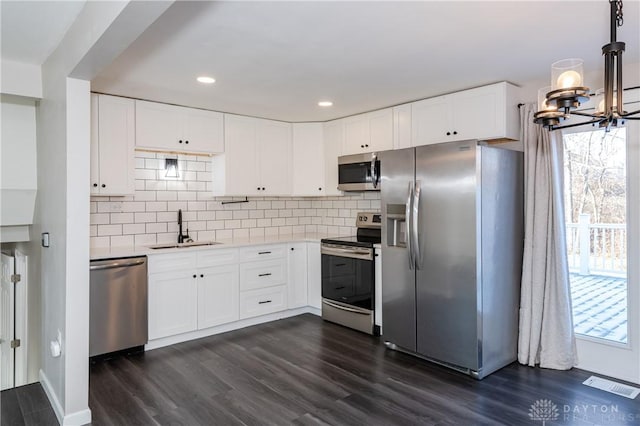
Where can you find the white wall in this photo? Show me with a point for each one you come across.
(100, 33)
(21, 79)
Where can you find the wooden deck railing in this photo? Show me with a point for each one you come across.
(597, 248)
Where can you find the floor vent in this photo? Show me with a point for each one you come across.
(612, 387)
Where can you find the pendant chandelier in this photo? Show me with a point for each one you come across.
(567, 91)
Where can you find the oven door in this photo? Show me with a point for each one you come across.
(348, 275)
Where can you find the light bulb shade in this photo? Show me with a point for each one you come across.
(567, 74)
(542, 100)
(171, 166)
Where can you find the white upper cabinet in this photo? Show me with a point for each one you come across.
(256, 160)
(174, 128)
(402, 126)
(485, 113)
(112, 145)
(368, 132)
(333, 141)
(308, 159)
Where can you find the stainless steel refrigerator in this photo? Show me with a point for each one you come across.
(452, 239)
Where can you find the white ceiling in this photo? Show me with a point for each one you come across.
(31, 30)
(277, 59)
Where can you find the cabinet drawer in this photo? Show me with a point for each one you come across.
(262, 274)
(208, 258)
(170, 262)
(263, 301)
(249, 254)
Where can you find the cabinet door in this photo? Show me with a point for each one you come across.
(159, 126)
(297, 281)
(254, 275)
(308, 159)
(402, 126)
(380, 130)
(356, 134)
(116, 143)
(333, 141)
(273, 139)
(94, 182)
(218, 295)
(204, 130)
(478, 113)
(314, 275)
(241, 176)
(430, 121)
(172, 304)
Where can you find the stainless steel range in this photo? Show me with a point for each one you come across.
(348, 276)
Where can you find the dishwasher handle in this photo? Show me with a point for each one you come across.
(117, 264)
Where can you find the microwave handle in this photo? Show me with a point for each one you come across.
(374, 170)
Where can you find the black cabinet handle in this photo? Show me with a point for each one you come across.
(341, 264)
(455, 133)
(262, 302)
(319, 189)
(195, 276)
(201, 275)
(264, 275)
(340, 288)
(361, 146)
(264, 252)
(186, 141)
(104, 186)
(258, 188)
(292, 248)
(95, 185)
(366, 145)
(180, 141)
(448, 133)
(263, 188)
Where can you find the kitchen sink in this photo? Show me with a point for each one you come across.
(183, 245)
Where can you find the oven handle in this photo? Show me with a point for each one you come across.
(344, 308)
(344, 252)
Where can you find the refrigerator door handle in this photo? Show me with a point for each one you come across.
(407, 219)
(414, 227)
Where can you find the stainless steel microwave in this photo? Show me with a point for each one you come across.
(359, 172)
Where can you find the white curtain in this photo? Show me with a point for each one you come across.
(546, 325)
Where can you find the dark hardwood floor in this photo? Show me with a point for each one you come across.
(305, 371)
(26, 406)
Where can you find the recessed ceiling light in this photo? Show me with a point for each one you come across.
(325, 103)
(206, 80)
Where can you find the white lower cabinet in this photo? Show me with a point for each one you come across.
(297, 259)
(218, 289)
(263, 301)
(314, 275)
(199, 289)
(263, 283)
(192, 291)
(172, 303)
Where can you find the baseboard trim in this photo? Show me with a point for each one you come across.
(236, 325)
(53, 398)
(74, 419)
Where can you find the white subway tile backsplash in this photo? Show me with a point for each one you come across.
(150, 216)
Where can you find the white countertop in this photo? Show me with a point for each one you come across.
(130, 251)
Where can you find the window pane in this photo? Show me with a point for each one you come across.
(595, 213)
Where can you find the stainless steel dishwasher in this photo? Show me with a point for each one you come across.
(118, 304)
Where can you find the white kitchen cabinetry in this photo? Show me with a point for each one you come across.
(174, 128)
(256, 160)
(297, 259)
(402, 126)
(308, 159)
(112, 145)
(172, 303)
(192, 291)
(370, 132)
(314, 275)
(485, 113)
(333, 141)
(263, 280)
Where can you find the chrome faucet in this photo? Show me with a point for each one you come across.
(182, 237)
